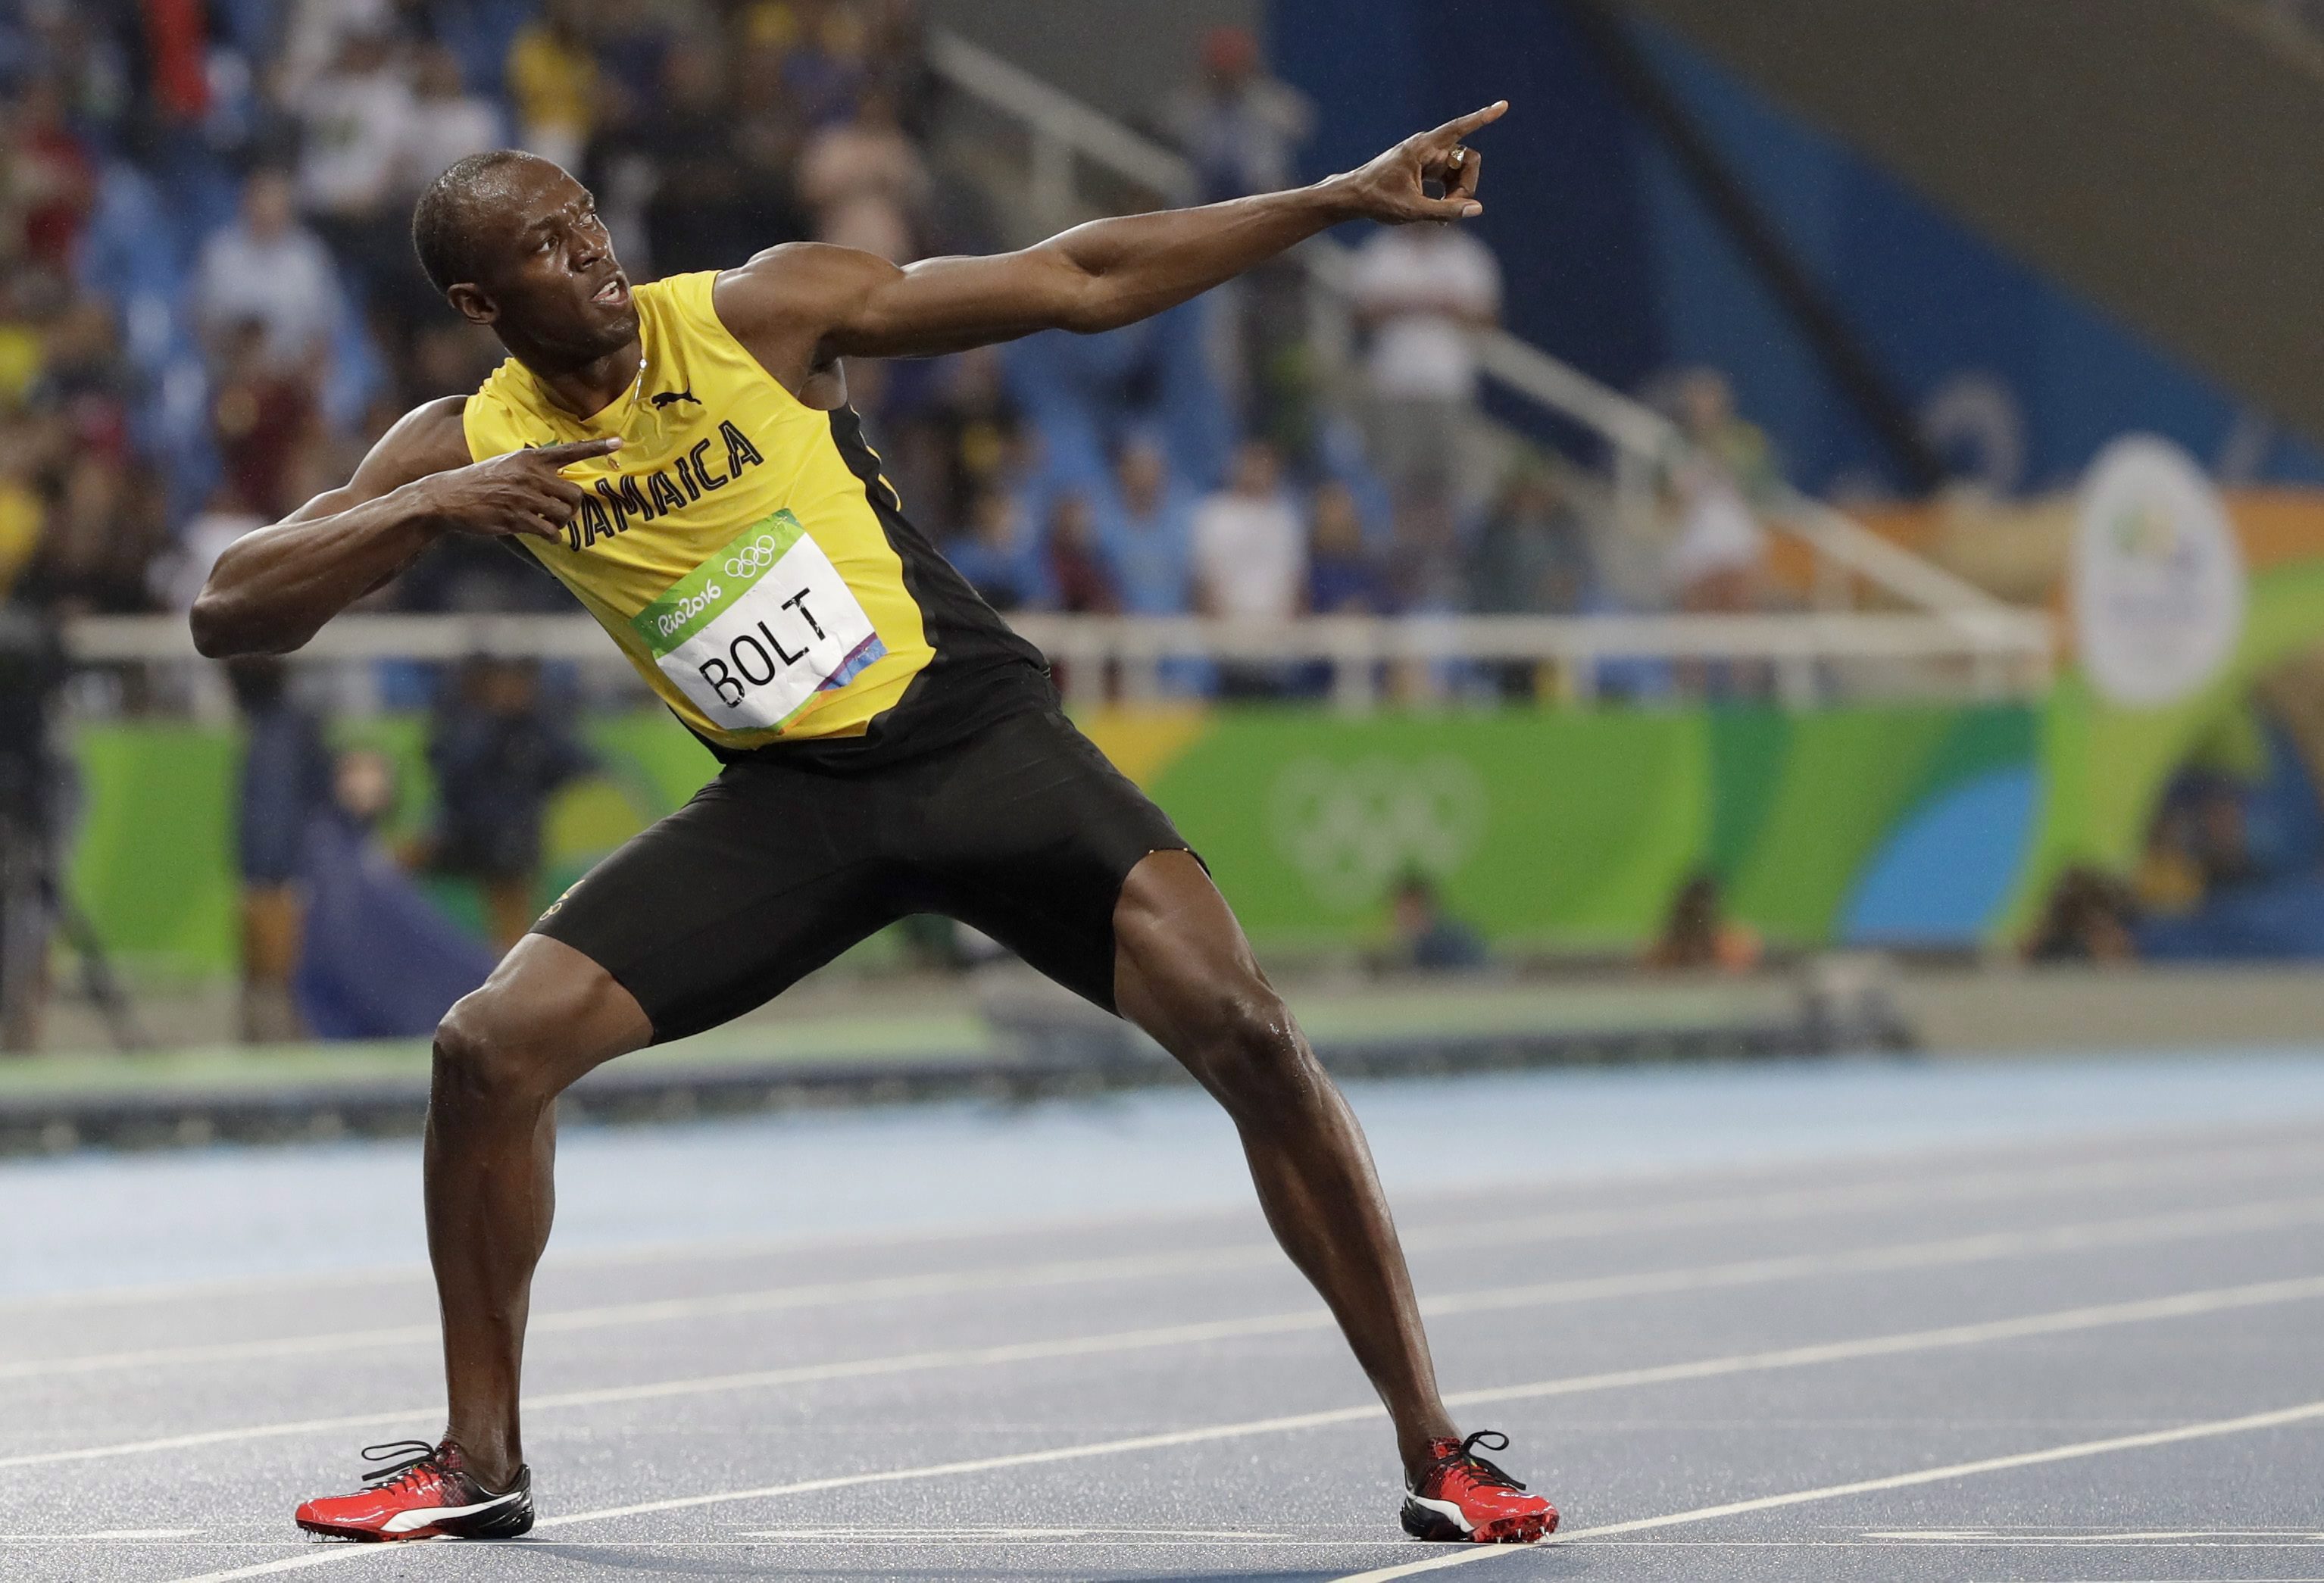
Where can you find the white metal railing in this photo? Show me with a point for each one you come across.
(1062, 128)
(1809, 658)
(1956, 640)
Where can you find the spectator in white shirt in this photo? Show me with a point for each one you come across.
(448, 124)
(1251, 563)
(355, 122)
(1250, 548)
(1424, 291)
(268, 269)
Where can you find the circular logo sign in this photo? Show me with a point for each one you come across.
(2158, 577)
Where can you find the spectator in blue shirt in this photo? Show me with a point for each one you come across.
(1342, 578)
(1001, 561)
(286, 779)
(1145, 529)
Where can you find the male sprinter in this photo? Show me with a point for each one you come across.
(682, 456)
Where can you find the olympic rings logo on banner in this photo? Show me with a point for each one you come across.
(753, 558)
(1352, 829)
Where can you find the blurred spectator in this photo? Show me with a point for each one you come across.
(84, 381)
(1423, 291)
(448, 124)
(1146, 528)
(1342, 578)
(261, 413)
(2169, 881)
(1250, 553)
(1241, 127)
(268, 270)
(357, 119)
(1698, 936)
(1250, 564)
(997, 556)
(632, 42)
(1531, 555)
(703, 213)
(1717, 562)
(498, 754)
(313, 32)
(2087, 918)
(864, 181)
(107, 527)
(33, 669)
(2200, 845)
(2222, 830)
(1423, 555)
(177, 577)
(21, 352)
(51, 178)
(286, 779)
(822, 44)
(1428, 938)
(552, 76)
(21, 514)
(1082, 581)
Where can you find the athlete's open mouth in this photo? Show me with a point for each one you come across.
(613, 293)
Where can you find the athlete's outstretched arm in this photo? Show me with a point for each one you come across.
(275, 588)
(799, 306)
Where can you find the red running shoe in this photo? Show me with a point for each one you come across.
(422, 1491)
(1463, 1496)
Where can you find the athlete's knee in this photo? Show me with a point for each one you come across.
(484, 1054)
(1252, 1057)
(546, 1015)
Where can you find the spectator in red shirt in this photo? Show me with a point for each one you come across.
(1077, 572)
(53, 176)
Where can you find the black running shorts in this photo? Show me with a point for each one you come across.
(1023, 831)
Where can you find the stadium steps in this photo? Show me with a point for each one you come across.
(2159, 156)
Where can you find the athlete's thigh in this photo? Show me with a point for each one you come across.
(1035, 834)
(766, 874)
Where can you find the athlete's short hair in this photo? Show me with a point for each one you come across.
(443, 222)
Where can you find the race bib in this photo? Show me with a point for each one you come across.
(752, 633)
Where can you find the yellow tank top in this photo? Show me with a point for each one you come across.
(742, 547)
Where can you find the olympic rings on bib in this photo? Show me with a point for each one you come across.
(753, 558)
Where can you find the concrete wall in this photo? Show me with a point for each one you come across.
(2043, 1010)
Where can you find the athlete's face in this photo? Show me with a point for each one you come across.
(555, 284)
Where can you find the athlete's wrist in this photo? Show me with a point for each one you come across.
(1334, 199)
(417, 507)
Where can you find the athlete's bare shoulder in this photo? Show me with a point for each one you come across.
(783, 304)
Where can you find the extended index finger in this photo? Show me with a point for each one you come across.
(572, 451)
(1453, 132)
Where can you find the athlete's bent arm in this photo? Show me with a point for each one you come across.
(800, 307)
(275, 588)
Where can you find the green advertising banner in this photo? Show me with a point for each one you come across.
(1545, 828)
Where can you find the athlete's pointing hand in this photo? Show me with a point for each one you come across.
(523, 492)
(1390, 188)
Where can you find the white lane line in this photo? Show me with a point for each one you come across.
(1211, 1260)
(1933, 1183)
(1892, 1257)
(2306, 1413)
(2177, 1305)
(102, 1536)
